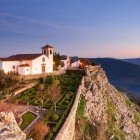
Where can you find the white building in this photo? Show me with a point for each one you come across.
(75, 64)
(26, 64)
(66, 61)
(70, 62)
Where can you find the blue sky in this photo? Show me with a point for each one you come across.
(85, 28)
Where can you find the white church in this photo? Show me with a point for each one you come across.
(26, 64)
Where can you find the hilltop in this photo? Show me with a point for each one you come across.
(133, 60)
(104, 112)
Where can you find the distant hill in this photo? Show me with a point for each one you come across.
(121, 74)
(133, 60)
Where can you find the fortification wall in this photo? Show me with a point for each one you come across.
(67, 131)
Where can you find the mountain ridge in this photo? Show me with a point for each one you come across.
(121, 74)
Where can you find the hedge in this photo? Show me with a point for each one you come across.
(75, 72)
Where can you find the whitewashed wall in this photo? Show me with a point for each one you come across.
(20, 70)
(29, 62)
(66, 63)
(37, 64)
(75, 64)
(8, 66)
(24, 70)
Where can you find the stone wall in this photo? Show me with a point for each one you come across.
(25, 88)
(68, 128)
(9, 130)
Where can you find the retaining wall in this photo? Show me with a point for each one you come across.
(67, 131)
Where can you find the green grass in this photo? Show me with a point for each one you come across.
(118, 133)
(128, 103)
(136, 117)
(81, 107)
(111, 110)
(88, 130)
(28, 117)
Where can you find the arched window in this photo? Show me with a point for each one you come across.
(50, 51)
(44, 51)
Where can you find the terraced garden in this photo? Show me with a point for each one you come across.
(38, 96)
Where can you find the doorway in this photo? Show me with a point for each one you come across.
(43, 68)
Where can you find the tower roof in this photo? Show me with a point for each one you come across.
(47, 46)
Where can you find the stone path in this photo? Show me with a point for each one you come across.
(39, 112)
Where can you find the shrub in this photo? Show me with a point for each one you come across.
(40, 131)
(41, 80)
(55, 117)
(49, 80)
(75, 72)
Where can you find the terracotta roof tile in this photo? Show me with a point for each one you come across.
(24, 65)
(20, 57)
(47, 46)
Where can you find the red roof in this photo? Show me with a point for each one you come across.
(47, 46)
(24, 65)
(20, 57)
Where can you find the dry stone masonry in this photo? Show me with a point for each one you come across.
(110, 108)
(9, 130)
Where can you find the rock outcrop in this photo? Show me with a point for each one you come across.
(9, 130)
(108, 110)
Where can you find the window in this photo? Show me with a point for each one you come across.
(43, 59)
(50, 51)
(13, 67)
(44, 51)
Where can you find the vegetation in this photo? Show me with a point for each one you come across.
(8, 82)
(113, 128)
(88, 131)
(27, 118)
(111, 111)
(84, 62)
(128, 103)
(57, 61)
(118, 133)
(55, 117)
(81, 107)
(73, 72)
(136, 117)
(39, 131)
(54, 91)
(84, 130)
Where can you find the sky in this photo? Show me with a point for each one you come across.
(84, 28)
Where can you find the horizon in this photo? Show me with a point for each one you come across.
(75, 28)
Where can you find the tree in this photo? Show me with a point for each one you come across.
(39, 88)
(9, 80)
(57, 60)
(40, 131)
(84, 62)
(2, 79)
(54, 92)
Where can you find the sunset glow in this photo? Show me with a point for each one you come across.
(85, 28)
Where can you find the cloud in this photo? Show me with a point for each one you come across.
(42, 29)
(19, 24)
(14, 21)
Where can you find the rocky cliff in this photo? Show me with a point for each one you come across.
(9, 130)
(108, 114)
